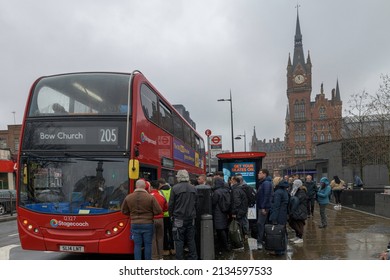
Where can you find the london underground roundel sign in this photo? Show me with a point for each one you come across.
(216, 140)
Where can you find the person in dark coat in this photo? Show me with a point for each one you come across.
(263, 203)
(279, 208)
(298, 210)
(239, 204)
(221, 224)
(279, 204)
(311, 187)
(182, 208)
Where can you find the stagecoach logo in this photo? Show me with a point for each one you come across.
(145, 138)
(55, 223)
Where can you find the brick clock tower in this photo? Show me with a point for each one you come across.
(307, 123)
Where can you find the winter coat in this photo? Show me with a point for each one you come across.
(183, 201)
(161, 201)
(278, 212)
(239, 202)
(311, 189)
(220, 218)
(165, 191)
(298, 204)
(141, 207)
(324, 192)
(264, 194)
(337, 187)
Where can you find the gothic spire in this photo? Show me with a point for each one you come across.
(298, 47)
(338, 98)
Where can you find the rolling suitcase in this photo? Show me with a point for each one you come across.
(275, 237)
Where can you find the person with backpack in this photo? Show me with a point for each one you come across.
(263, 203)
(221, 205)
(249, 191)
(239, 205)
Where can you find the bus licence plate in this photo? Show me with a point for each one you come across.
(67, 248)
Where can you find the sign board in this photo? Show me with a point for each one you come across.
(215, 152)
(216, 142)
(207, 132)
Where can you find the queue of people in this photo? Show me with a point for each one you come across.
(164, 219)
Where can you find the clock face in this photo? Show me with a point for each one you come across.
(299, 79)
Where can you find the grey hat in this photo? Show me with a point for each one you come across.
(182, 176)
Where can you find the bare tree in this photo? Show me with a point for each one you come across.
(355, 130)
(380, 108)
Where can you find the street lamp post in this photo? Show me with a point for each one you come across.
(231, 117)
(238, 137)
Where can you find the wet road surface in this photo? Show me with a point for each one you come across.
(350, 235)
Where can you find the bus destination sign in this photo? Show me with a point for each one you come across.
(77, 136)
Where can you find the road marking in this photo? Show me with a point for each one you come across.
(13, 234)
(4, 251)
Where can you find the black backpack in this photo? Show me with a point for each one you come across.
(225, 202)
(250, 194)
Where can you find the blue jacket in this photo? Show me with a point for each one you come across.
(264, 194)
(324, 192)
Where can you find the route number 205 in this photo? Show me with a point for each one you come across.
(108, 135)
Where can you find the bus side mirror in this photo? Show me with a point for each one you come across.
(25, 175)
(133, 169)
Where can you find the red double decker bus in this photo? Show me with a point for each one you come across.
(86, 138)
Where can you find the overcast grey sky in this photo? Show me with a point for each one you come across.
(195, 51)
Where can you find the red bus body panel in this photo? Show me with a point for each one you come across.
(155, 144)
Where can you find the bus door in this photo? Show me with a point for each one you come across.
(148, 173)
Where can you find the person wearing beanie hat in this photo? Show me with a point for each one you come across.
(323, 200)
(298, 210)
(182, 208)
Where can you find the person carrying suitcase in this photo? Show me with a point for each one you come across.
(278, 216)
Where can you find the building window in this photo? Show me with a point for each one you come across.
(329, 136)
(16, 144)
(3, 143)
(315, 137)
(322, 137)
(296, 136)
(299, 109)
(322, 112)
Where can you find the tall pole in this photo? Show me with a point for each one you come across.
(209, 153)
(231, 119)
(13, 112)
(231, 116)
(244, 141)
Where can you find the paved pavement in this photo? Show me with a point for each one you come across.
(8, 217)
(350, 235)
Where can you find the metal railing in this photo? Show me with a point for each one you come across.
(7, 202)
